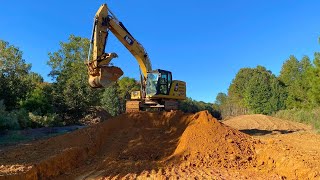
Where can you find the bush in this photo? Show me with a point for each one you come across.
(21, 119)
(8, 123)
(38, 101)
(192, 106)
(306, 116)
(7, 120)
(49, 120)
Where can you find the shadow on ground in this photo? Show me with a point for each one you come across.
(260, 132)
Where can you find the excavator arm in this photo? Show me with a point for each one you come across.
(101, 74)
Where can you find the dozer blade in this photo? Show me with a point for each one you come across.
(107, 75)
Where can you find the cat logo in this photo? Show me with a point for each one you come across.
(129, 40)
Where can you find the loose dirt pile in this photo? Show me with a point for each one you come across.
(208, 142)
(132, 145)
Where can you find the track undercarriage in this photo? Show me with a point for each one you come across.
(151, 105)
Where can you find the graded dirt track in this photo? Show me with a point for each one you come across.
(287, 148)
(163, 145)
(259, 124)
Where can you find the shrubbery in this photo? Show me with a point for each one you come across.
(192, 106)
(21, 119)
(49, 120)
(307, 116)
(10, 120)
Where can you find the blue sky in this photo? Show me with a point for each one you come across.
(203, 42)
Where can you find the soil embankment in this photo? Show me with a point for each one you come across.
(156, 145)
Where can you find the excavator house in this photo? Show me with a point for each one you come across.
(158, 90)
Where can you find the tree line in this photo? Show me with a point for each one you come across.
(258, 90)
(27, 101)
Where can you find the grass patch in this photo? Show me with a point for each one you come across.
(306, 116)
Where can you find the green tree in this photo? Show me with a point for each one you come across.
(223, 105)
(313, 77)
(114, 98)
(221, 99)
(189, 105)
(39, 101)
(254, 90)
(71, 92)
(264, 93)
(293, 75)
(305, 66)
(126, 86)
(238, 86)
(236, 92)
(278, 95)
(14, 84)
(192, 106)
(34, 79)
(110, 100)
(290, 71)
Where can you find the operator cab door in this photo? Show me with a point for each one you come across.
(158, 83)
(164, 82)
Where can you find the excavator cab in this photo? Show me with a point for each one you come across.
(158, 83)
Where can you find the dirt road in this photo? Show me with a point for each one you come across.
(171, 145)
(289, 149)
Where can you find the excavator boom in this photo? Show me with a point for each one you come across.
(101, 74)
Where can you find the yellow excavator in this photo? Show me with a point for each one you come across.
(158, 90)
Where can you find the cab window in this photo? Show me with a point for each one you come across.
(152, 84)
(164, 83)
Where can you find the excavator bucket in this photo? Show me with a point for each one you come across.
(107, 75)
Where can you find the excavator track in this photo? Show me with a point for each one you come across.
(136, 106)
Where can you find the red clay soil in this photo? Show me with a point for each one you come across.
(163, 145)
(133, 145)
(293, 156)
(287, 148)
(207, 142)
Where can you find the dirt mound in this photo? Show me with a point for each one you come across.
(131, 144)
(208, 142)
(259, 124)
